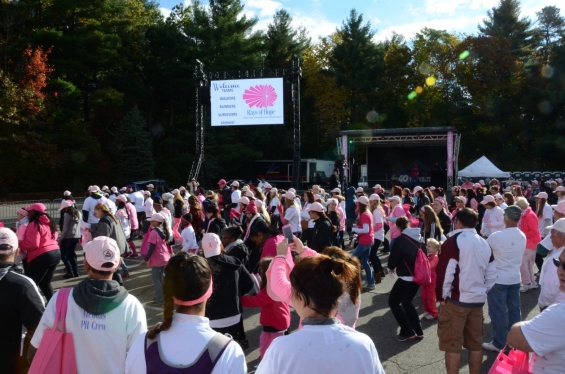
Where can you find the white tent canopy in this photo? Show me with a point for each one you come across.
(483, 168)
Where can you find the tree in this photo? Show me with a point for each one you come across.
(504, 21)
(282, 41)
(357, 62)
(134, 155)
(551, 28)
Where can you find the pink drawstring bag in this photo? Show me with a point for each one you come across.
(516, 362)
(56, 352)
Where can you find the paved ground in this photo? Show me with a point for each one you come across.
(375, 320)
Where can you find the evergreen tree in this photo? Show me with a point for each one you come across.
(504, 21)
(357, 63)
(134, 156)
(551, 28)
(282, 41)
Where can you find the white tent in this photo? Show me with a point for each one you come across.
(483, 168)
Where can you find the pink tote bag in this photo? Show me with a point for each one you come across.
(516, 362)
(56, 352)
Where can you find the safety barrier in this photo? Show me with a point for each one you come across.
(9, 209)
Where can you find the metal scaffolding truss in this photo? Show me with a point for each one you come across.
(407, 139)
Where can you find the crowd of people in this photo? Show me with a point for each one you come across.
(213, 253)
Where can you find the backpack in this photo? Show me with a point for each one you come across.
(422, 272)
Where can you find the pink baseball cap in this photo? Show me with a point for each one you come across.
(234, 184)
(337, 190)
(38, 207)
(23, 212)
(211, 245)
(67, 193)
(289, 195)
(94, 188)
(541, 195)
(560, 207)
(559, 189)
(463, 199)
(122, 198)
(316, 207)
(292, 190)
(8, 237)
(332, 201)
(249, 194)
(488, 199)
(114, 189)
(65, 204)
(100, 251)
(374, 197)
(360, 189)
(395, 198)
(476, 185)
(377, 186)
(243, 200)
(156, 217)
(222, 181)
(363, 200)
(416, 189)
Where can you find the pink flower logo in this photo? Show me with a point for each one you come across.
(260, 96)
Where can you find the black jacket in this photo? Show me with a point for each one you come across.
(404, 253)
(422, 200)
(217, 226)
(239, 250)
(231, 281)
(178, 208)
(108, 227)
(21, 305)
(445, 222)
(322, 235)
(333, 182)
(226, 198)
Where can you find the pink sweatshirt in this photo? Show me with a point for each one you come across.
(342, 220)
(397, 212)
(529, 226)
(133, 224)
(37, 239)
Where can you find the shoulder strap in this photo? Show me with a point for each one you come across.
(216, 346)
(61, 307)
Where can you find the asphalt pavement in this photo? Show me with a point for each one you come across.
(375, 320)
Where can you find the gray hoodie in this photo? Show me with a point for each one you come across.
(413, 233)
(99, 296)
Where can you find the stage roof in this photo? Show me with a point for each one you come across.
(410, 136)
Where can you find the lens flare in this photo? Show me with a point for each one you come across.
(372, 116)
(547, 71)
(412, 95)
(419, 89)
(425, 68)
(464, 55)
(430, 81)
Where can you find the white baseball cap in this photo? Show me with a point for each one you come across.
(316, 207)
(122, 198)
(374, 197)
(476, 185)
(395, 198)
(67, 193)
(211, 245)
(290, 195)
(463, 199)
(416, 189)
(100, 251)
(94, 188)
(150, 186)
(10, 238)
(541, 195)
(363, 200)
(234, 184)
(360, 189)
(245, 188)
(332, 201)
(559, 180)
(336, 190)
(243, 200)
(157, 217)
(292, 190)
(488, 199)
(175, 191)
(267, 185)
(274, 190)
(114, 189)
(432, 188)
(498, 196)
(65, 204)
(377, 186)
(482, 182)
(105, 188)
(559, 225)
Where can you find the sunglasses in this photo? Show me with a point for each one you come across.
(557, 262)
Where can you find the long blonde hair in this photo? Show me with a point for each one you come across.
(104, 209)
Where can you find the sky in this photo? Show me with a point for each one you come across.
(406, 17)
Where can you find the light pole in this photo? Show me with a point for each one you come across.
(263, 58)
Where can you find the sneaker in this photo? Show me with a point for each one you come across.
(524, 288)
(369, 287)
(491, 347)
(426, 314)
(68, 276)
(125, 275)
(401, 338)
(534, 285)
(420, 336)
(430, 317)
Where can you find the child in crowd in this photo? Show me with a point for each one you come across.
(428, 292)
(275, 315)
(188, 236)
(156, 255)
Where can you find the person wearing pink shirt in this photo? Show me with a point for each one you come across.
(366, 234)
(40, 243)
(529, 226)
(396, 211)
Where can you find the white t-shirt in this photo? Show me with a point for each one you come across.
(508, 247)
(148, 207)
(188, 238)
(110, 204)
(274, 203)
(306, 216)
(235, 195)
(545, 335)
(549, 281)
(378, 218)
(89, 205)
(503, 206)
(547, 215)
(137, 199)
(293, 218)
(182, 343)
(493, 221)
(322, 349)
(101, 342)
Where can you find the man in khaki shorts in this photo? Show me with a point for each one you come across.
(465, 273)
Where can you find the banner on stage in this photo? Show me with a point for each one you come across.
(240, 102)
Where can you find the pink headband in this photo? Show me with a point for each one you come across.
(201, 299)
(422, 209)
(23, 212)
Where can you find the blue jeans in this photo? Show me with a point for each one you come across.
(504, 311)
(362, 253)
(157, 274)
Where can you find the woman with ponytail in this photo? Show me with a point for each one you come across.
(187, 286)
(315, 286)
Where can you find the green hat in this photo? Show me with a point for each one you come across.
(513, 213)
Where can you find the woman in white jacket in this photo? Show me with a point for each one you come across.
(493, 220)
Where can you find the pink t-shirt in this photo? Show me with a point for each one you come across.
(398, 211)
(366, 219)
(160, 255)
